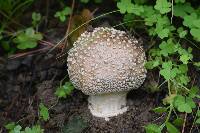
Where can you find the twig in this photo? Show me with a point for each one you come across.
(68, 27)
(172, 11)
(45, 43)
(183, 129)
(28, 53)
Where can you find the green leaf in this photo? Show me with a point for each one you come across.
(184, 104)
(137, 10)
(44, 113)
(184, 108)
(171, 128)
(64, 90)
(195, 32)
(185, 55)
(152, 64)
(184, 79)
(125, 6)
(63, 13)
(163, 33)
(17, 129)
(178, 121)
(84, 1)
(10, 126)
(179, 1)
(183, 68)
(167, 71)
(193, 91)
(182, 10)
(187, 20)
(140, 1)
(196, 23)
(182, 33)
(197, 64)
(167, 48)
(190, 102)
(198, 113)
(184, 58)
(34, 129)
(160, 109)
(163, 27)
(27, 39)
(163, 6)
(152, 128)
(36, 16)
(197, 121)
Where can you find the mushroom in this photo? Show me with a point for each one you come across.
(105, 64)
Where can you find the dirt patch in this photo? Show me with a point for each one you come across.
(27, 81)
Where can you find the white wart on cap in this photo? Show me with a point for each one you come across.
(106, 64)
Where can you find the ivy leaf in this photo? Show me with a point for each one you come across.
(152, 64)
(171, 128)
(163, 33)
(10, 126)
(163, 6)
(184, 58)
(17, 129)
(197, 121)
(193, 91)
(167, 48)
(178, 122)
(195, 33)
(84, 1)
(183, 68)
(137, 9)
(184, 108)
(152, 128)
(184, 79)
(63, 13)
(44, 113)
(179, 1)
(27, 39)
(150, 20)
(160, 109)
(34, 129)
(163, 27)
(64, 90)
(185, 55)
(187, 20)
(197, 64)
(182, 32)
(190, 102)
(36, 17)
(184, 104)
(125, 6)
(149, 15)
(198, 113)
(196, 23)
(167, 71)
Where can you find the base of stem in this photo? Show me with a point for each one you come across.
(108, 105)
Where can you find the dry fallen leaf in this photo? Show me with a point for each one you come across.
(78, 20)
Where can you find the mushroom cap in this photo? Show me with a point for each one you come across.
(106, 60)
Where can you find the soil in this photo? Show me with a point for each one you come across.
(27, 81)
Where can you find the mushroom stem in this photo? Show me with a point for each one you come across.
(108, 105)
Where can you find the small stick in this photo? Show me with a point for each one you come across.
(69, 26)
(184, 123)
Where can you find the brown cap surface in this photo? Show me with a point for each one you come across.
(106, 60)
